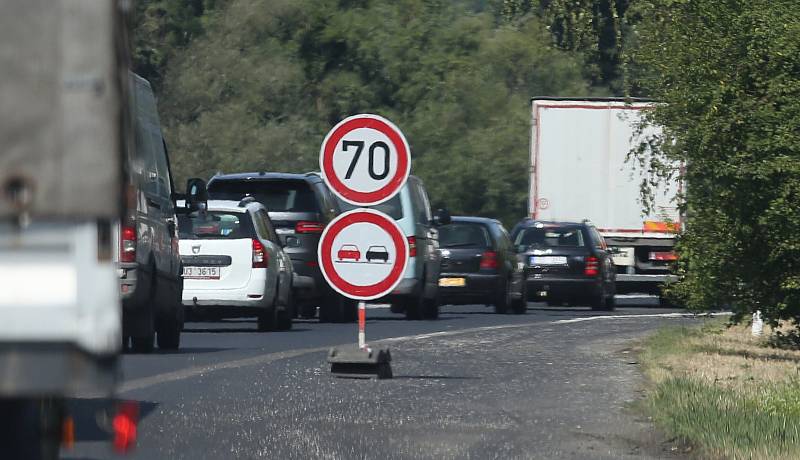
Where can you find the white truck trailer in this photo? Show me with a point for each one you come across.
(579, 170)
(63, 131)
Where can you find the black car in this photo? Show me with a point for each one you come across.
(377, 253)
(566, 262)
(300, 206)
(479, 265)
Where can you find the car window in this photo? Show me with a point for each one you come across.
(144, 163)
(393, 208)
(597, 240)
(551, 237)
(215, 225)
(275, 195)
(504, 241)
(463, 235)
(162, 168)
(265, 226)
(421, 205)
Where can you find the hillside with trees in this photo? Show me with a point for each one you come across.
(255, 85)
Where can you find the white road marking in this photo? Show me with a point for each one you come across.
(183, 374)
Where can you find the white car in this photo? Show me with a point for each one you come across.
(233, 264)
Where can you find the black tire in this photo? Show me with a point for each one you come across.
(604, 302)
(143, 344)
(286, 315)
(520, 306)
(430, 308)
(268, 320)
(503, 299)
(338, 309)
(31, 428)
(168, 335)
(414, 307)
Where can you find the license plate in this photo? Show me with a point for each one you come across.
(201, 273)
(548, 260)
(452, 282)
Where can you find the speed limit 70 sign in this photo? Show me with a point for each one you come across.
(365, 159)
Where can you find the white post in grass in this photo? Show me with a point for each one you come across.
(758, 324)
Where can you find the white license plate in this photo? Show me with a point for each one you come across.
(548, 260)
(452, 282)
(201, 273)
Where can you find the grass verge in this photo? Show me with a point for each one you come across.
(726, 393)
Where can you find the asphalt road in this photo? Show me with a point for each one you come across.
(554, 383)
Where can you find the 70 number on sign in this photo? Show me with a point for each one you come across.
(359, 145)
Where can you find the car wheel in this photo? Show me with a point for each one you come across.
(285, 316)
(604, 302)
(143, 344)
(168, 331)
(168, 335)
(414, 307)
(430, 308)
(520, 306)
(268, 320)
(503, 299)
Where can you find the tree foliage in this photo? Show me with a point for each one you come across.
(266, 79)
(729, 75)
(597, 29)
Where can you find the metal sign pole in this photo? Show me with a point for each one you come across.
(362, 325)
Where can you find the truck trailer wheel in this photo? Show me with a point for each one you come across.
(30, 428)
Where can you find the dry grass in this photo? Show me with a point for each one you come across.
(725, 391)
(727, 356)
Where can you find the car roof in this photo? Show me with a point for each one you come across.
(474, 219)
(551, 223)
(264, 176)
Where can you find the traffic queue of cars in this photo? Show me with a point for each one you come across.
(245, 244)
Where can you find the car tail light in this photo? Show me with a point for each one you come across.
(489, 260)
(592, 267)
(127, 247)
(412, 246)
(124, 426)
(305, 226)
(260, 256)
(666, 256)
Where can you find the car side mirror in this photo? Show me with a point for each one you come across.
(196, 194)
(442, 217)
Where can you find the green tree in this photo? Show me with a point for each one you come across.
(728, 73)
(267, 79)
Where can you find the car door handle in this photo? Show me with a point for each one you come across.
(153, 204)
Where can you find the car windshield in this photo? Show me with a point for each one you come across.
(393, 208)
(216, 225)
(550, 237)
(463, 235)
(275, 195)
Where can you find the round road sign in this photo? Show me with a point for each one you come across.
(365, 159)
(363, 254)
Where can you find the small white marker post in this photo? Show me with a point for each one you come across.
(362, 325)
(758, 324)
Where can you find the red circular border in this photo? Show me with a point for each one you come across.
(383, 193)
(326, 261)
